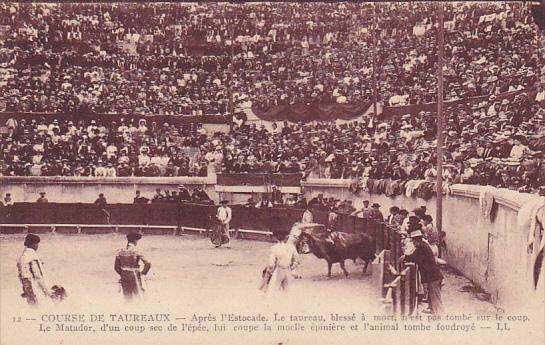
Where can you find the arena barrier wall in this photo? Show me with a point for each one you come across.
(71, 189)
(492, 250)
(155, 214)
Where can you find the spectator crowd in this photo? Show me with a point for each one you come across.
(195, 58)
(139, 59)
(501, 144)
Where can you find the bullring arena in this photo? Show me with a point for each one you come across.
(235, 149)
(189, 276)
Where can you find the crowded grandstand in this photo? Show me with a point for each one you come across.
(298, 78)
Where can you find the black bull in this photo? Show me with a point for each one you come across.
(336, 247)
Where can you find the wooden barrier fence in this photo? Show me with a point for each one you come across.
(395, 281)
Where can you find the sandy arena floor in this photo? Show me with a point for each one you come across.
(187, 276)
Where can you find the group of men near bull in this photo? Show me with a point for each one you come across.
(421, 243)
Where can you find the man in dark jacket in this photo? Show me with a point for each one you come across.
(430, 273)
(127, 265)
(183, 193)
(200, 196)
(139, 199)
(101, 203)
(375, 213)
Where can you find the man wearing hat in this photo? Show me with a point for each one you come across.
(31, 272)
(221, 235)
(375, 213)
(127, 265)
(183, 193)
(430, 274)
(42, 199)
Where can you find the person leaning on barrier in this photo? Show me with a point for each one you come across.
(375, 213)
(158, 195)
(127, 265)
(250, 203)
(301, 201)
(264, 203)
(8, 201)
(42, 199)
(365, 210)
(139, 199)
(390, 220)
(200, 196)
(183, 193)
(101, 203)
(430, 274)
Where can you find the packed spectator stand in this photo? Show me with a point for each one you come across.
(183, 58)
(200, 59)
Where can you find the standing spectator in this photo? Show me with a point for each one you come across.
(200, 196)
(158, 196)
(183, 193)
(427, 267)
(276, 196)
(375, 213)
(317, 202)
(301, 202)
(390, 220)
(42, 199)
(7, 200)
(399, 218)
(101, 203)
(264, 203)
(138, 199)
(431, 234)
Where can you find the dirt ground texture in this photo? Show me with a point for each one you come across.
(189, 276)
